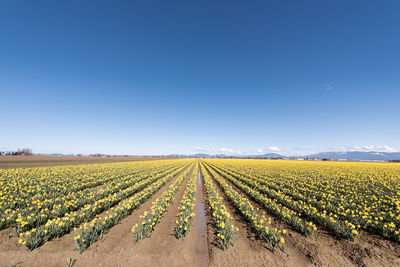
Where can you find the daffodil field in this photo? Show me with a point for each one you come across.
(89, 232)
(343, 197)
(260, 224)
(62, 198)
(271, 197)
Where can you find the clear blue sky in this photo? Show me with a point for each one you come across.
(159, 77)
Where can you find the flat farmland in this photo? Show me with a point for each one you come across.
(8, 162)
(201, 212)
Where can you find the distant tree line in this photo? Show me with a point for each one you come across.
(22, 151)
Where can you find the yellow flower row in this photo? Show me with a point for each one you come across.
(89, 232)
(289, 216)
(186, 214)
(152, 217)
(76, 200)
(57, 227)
(43, 193)
(260, 224)
(221, 217)
(343, 196)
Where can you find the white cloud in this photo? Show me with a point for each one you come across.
(273, 149)
(200, 149)
(229, 151)
(222, 150)
(268, 149)
(366, 148)
(226, 150)
(295, 151)
(369, 148)
(331, 148)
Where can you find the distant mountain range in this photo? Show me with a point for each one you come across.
(353, 155)
(357, 155)
(203, 155)
(333, 155)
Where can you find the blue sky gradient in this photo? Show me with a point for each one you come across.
(160, 77)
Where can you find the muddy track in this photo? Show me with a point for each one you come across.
(200, 222)
(211, 240)
(367, 250)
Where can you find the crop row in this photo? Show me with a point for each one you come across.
(74, 202)
(89, 232)
(23, 187)
(151, 217)
(363, 209)
(283, 213)
(185, 211)
(221, 217)
(54, 202)
(259, 223)
(60, 226)
(306, 210)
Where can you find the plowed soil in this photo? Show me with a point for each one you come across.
(7, 162)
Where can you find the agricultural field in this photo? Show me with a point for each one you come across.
(201, 212)
(22, 161)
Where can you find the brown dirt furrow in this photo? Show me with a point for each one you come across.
(367, 250)
(56, 252)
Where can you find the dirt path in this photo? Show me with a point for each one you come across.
(367, 250)
(199, 226)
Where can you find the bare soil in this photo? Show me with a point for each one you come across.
(8, 162)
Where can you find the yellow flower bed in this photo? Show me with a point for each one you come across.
(186, 214)
(46, 227)
(341, 196)
(260, 224)
(151, 218)
(221, 217)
